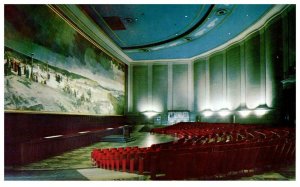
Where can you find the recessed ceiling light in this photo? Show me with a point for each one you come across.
(145, 50)
(221, 12)
(247, 15)
(188, 38)
(128, 20)
(185, 16)
(229, 33)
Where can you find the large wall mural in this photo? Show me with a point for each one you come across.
(49, 67)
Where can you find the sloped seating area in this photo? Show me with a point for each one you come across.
(205, 151)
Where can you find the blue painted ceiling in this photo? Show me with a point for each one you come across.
(154, 32)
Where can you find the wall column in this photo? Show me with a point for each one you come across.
(224, 85)
(191, 86)
(150, 78)
(243, 74)
(207, 87)
(170, 86)
(129, 75)
(262, 67)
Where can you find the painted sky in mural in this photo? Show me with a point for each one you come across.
(49, 67)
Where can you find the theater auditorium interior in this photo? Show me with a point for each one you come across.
(149, 92)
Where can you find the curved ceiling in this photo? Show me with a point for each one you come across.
(156, 32)
(140, 26)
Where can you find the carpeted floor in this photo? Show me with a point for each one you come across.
(80, 158)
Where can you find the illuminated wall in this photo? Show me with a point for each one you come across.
(233, 77)
(161, 87)
(50, 67)
(245, 74)
(249, 73)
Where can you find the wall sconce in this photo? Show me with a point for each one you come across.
(207, 113)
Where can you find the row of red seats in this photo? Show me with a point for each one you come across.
(251, 149)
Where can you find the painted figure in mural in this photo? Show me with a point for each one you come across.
(14, 65)
(57, 78)
(27, 71)
(6, 67)
(19, 67)
(24, 68)
(10, 65)
(31, 71)
(36, 77)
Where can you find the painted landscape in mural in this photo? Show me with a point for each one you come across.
(49, 67)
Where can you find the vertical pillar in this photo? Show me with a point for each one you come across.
(243, 74)
(150, 78)
(285, 35)
(129, 88)
(262, 67)
(224, 85)
(207, 86)
(191, 86)
(170, 86)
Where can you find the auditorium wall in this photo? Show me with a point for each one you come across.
(56, 82)
(160, 87)
(245, 75)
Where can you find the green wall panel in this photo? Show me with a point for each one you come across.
(216, 81)
(140, 88)
(160, 88)
(253, 71)
(180, 87)
(200, 85)
(274, 62)
(233, 73)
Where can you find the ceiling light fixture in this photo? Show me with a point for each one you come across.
(145, 50)
(221, 12)
(188, 38)
(128, 20)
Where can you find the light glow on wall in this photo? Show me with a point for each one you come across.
(158, 107)
(260, 112)
(207, 113)
(224, 112)
(150, 114)
(244, 113)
